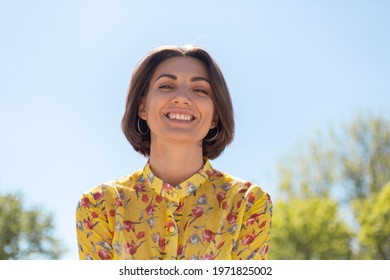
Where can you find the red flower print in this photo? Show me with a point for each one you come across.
(208, 256)
(221, 196)
(197, 212)
(88, 224)
(231, 218)
(150, 209)
(104, 255)
(162, 243)
(167, 187)
(140, 235)
(112, 212)
(220, 245)
(248, 239)
(159, 198)
(85, 202)
(185, 225)
(94, 214)
(180, 206)
(225, 205)
(252, 219)
(131, 248)
(208, 235)
(266, 249)
(118, 201)
(139, 188)
(251, 197)
(128, 225)
(145, 198)
(169, 225)
(239, 204)
(214, 173)
(248, 184)
(98, 195)
(263, 224)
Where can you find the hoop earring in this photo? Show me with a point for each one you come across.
(139, 127)
(213, 138)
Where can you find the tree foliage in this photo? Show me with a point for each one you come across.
(26, 233)
(349, 166)
(373, 215)
(351, 162)
(365, 157)
(309, 228)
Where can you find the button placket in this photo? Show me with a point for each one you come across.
(171, 227)
(173, 198)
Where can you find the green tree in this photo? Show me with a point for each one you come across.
(349, 165)
(309, 228)
(373, 215)
(26, 233)
(351, 162)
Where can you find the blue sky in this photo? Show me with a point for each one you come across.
(292, 67)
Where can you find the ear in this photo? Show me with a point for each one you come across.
(142, 109)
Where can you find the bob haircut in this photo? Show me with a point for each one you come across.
(139, 87)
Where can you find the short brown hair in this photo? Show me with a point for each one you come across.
(139, 86)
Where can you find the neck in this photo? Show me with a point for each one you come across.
(175, 163)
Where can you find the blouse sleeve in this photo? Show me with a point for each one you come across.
(93, 232)
(254, 236)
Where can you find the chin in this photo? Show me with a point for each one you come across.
(184, 138)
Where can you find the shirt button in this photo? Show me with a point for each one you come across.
(172, 229)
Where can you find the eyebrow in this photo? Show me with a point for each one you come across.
(193, 79)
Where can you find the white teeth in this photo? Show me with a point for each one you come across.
(181, 117)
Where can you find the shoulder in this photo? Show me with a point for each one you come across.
(249, 191)
(110, 189)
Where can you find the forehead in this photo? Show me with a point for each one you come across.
(182, 66)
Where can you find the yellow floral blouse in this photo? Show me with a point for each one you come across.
(212, 215)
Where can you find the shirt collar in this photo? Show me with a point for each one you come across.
(186, 188)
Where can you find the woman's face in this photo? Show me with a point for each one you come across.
(178, 106)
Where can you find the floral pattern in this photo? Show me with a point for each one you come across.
(212, 215)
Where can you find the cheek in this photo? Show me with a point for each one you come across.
(151, 105)
(211, 108)
(208, 114)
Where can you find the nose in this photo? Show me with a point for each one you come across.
(182, 96)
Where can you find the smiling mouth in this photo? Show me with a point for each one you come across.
(180, 117)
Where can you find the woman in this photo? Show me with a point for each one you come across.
(179, 115)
